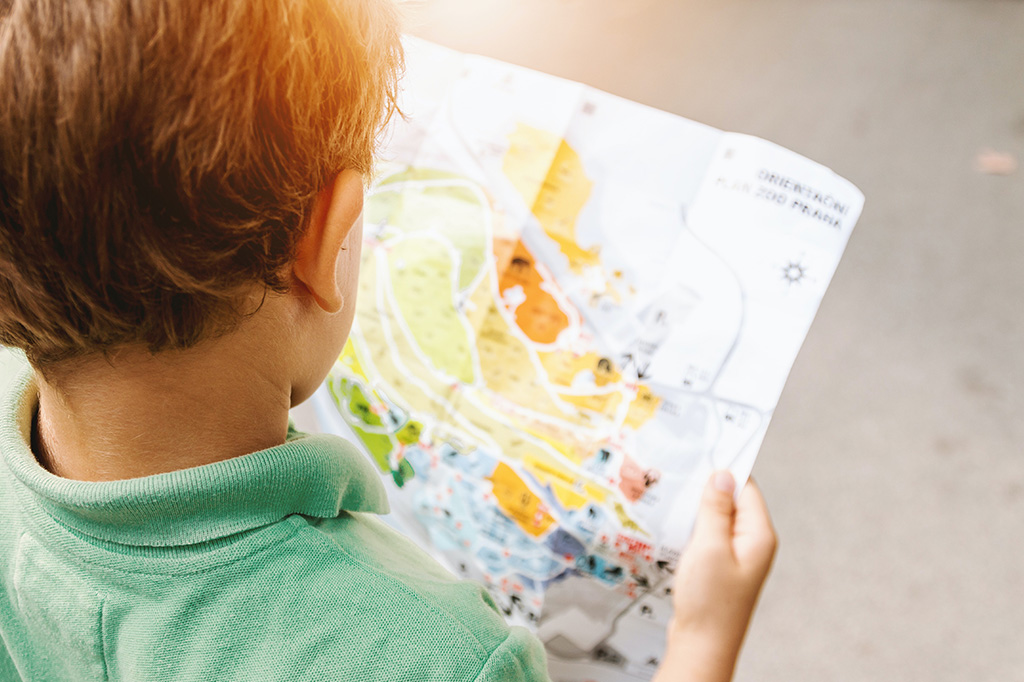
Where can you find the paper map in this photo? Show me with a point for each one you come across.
(572, 309)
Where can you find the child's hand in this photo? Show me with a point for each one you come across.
(717, 582)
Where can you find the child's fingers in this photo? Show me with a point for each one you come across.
(751, 510)
(715, 517)
(753, 531)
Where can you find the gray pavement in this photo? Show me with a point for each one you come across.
(893, 466)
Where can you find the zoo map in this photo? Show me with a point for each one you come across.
(572, 309)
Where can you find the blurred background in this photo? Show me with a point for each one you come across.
(893, 466)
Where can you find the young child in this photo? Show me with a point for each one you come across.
(181, 184)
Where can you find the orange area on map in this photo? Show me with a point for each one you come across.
(517, 500)
(539, 315)
(643, 407)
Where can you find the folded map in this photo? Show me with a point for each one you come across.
(572, 309)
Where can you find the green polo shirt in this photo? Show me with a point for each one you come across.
(270, 566)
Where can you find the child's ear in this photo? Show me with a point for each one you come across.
(335, 212)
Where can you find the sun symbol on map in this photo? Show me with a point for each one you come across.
(794, 272)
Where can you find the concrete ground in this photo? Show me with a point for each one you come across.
(893, 466)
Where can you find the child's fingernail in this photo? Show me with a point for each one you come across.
(725, 482)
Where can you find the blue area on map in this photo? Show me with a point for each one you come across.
(564, 544)
(604, 571)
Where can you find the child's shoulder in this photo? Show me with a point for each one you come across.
(270, 566)
(397, 610)
(343, 598)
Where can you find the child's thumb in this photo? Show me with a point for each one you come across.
(715, 517)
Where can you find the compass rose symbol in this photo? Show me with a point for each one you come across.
(794, 272)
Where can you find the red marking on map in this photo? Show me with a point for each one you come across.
(634, 480)
(633, 545)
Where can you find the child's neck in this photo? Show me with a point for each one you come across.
(149, 414)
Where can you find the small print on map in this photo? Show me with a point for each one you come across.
(572, 309)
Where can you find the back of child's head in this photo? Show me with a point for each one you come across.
(158, 158)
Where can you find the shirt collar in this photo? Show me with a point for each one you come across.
(314, 475)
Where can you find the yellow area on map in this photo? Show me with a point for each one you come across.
(349, 358)
(562, 367)
(595, 493)
(421, 276)
(562, 483)
(549, 175)
(567, 449)
(643, 407)
(573, 436)
(517, 500)
(625, 520)
(567, 497)
(528, 159)
(504, 360)
(604, 403)
(452, 213)
(395, 366)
